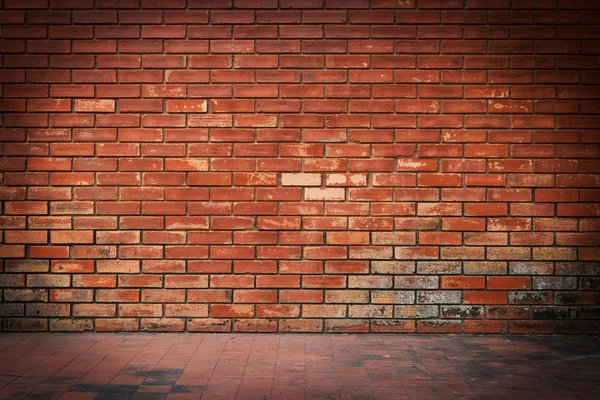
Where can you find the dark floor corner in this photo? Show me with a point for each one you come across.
(251, 366)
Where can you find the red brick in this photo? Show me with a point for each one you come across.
(346, 132)
(485, 297)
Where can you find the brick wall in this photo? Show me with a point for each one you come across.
(300, 165)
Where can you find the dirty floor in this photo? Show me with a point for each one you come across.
(248, 366)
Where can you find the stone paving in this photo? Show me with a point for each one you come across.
(253, 366)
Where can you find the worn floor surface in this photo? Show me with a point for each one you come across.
(244, 366)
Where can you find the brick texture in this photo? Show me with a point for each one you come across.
(300, 165)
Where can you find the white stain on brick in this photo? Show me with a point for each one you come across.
(325, 194)
(301, 179)
(346, 180)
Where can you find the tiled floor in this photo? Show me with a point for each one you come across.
(243, 366)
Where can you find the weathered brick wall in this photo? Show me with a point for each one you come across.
(300, 165)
